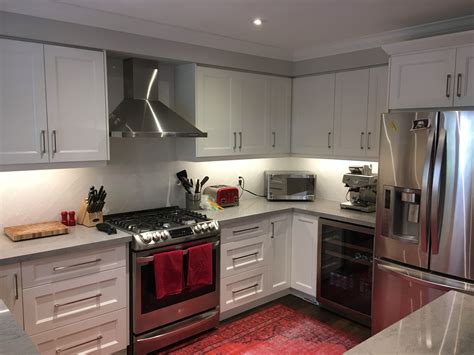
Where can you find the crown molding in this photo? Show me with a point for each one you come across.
(372, 41)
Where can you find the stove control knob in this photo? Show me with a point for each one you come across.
(156, 237)
(212, 226)
(204, 227)
(146, 238)
(197, 228)
(165, 235)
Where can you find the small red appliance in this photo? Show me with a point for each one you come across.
(223, 195)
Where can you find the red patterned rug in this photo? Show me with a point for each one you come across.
(276, 330)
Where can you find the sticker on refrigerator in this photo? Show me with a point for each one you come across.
(420, 124)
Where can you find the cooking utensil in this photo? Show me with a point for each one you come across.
(204, 180)
(197, 186)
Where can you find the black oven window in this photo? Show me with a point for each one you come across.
(149, 301)
(300, 185)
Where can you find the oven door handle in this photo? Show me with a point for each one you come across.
(148, 259)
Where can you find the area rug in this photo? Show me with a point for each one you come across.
(275, 330)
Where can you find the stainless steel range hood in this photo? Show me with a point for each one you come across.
(141, 114)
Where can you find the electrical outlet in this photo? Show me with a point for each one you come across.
(241, 180)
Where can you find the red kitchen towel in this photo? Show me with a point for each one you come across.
(168, 273)
(200, 265)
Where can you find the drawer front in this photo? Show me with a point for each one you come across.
(243, 229)
(99, 335)
(63, 267)
(244, 255)
(244, 288)
(54, 305)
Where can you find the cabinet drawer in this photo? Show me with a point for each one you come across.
(243, 288)
(248, 228)
(244, 255)
(49, 306)
(64, 267)
(101, 335)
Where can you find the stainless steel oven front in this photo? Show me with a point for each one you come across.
(158, 323)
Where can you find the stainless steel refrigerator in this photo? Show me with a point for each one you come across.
(424, 238)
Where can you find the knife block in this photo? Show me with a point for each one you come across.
(88, 219)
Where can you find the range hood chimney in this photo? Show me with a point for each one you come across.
(141, 114)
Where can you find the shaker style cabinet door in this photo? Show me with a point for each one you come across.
(422, 80)
(23, 123)
(10, 290)
(464, 89)
(280, 115)
(350, 113)
(378, 86)
(75, 82)
(313, 115)
(280, 236)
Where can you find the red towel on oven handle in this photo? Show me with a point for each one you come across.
(200, 266)
(168, 268)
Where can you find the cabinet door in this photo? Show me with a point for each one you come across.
(254, 114)
(350, 113)
(23, 124)
(75, 86)
(215, 102)
(313, 115)
(280, 115)
(281, 252)
(378, 86)
(10, 290)
(422, 80)
(464, 89)
(303, 254)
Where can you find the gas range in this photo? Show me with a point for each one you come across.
(163, 226)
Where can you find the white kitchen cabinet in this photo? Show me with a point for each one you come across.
(280, 239)
(313, 115)
(464, 90)
(23, 120)
(10, 290)
(77, 120)
(304, 253)
(351, 112)
(378, 88)
(280, 115)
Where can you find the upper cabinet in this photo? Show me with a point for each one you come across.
(52, 104)
(464, 90)
(378, 89)
(244, 114)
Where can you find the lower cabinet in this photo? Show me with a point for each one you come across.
(280, 267)
(304, 253)
(10, 290)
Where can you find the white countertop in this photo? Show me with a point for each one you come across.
(444, 326)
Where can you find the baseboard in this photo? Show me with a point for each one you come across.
(304, 296)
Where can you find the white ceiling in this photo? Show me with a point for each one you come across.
(290, 26)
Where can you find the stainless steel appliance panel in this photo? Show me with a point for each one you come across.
(406, 161)
(290, 185)
(452, 212)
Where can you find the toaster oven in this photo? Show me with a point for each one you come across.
(290, 185)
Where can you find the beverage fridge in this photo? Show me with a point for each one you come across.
(424, 237)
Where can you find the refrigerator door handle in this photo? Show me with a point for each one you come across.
(436, 192)
(427, 279)
(425, 184)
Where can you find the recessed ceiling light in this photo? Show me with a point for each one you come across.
(257, 22)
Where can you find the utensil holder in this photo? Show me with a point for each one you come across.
(89, 219)
(193, 201)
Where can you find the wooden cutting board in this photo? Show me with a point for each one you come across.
(37, 230)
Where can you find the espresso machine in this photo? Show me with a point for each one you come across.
(362, 185)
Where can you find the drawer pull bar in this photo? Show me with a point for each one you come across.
(245, 256)
(57, 305)
(15, 278)
(59, 268)
(246, 288)
(246, 230)
(59, 350)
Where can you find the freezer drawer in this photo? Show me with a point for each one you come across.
(399, 291)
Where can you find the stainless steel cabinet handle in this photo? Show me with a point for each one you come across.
(273, 230)
(329, 140)
(245, 230)
(435, 195)
(53, 137)
(59, 268)
(235, 140)
(245, 256)
(15, 279)
(361, 140)
(458, 86)
(43, 142)
(274, 139)
(246, 288)
(448, 85)
(240, 137)
(57, 305)
(59, 350)
(368, 139)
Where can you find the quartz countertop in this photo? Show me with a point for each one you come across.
(13, 340)
(444, 326)
(78, 238)
(322, 208)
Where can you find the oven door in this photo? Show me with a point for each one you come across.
(148, 312)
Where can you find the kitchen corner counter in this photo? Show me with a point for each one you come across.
(79, 238)
(444, 326)
(321, 208)
(13, 340)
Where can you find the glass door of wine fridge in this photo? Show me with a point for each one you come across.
(345, 269)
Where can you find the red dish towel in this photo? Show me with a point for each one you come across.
(168, 273)
(200, 266)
